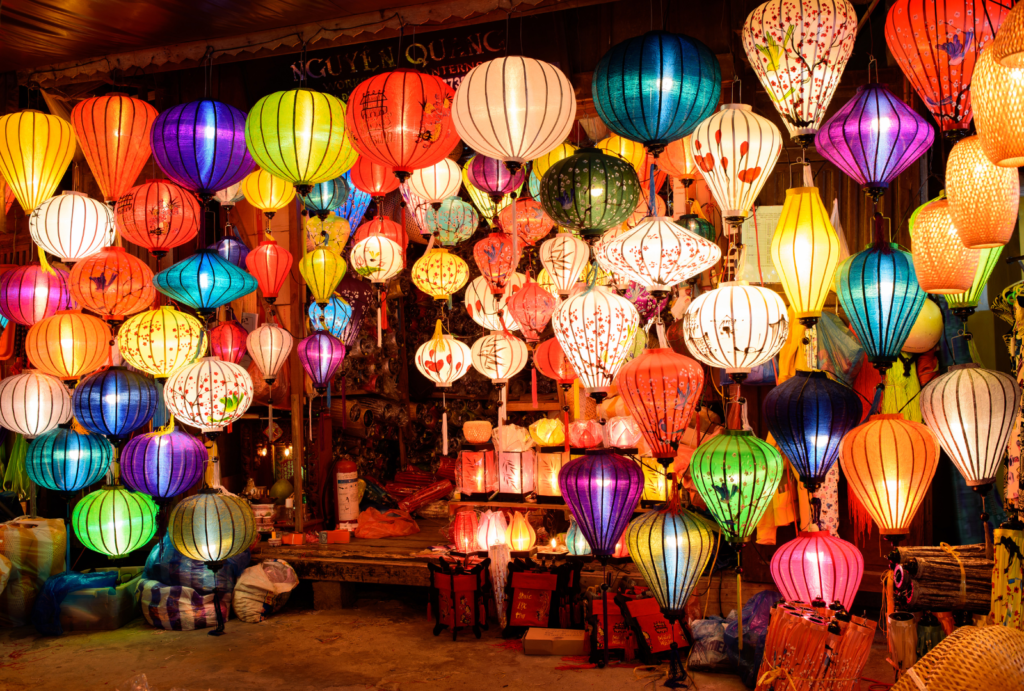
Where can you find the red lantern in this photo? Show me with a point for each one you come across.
(402, 119)
(532, 223)
(818, 569)
(661, 389)
(227, 341)
(269, 264)
(494, 258)
(532, 306)
(464, 529)
(552, 363)
(373, 178)
(157, 215)
(112, 283)
(113, 131)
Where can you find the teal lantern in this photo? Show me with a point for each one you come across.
(697, 225)
(66, 461)
(115, 521)
(204, 281)
(590, 191)
(325, 196)
(453, 221)
(333, 317)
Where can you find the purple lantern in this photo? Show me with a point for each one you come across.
(602, 490)
(874, 138)
(357, 294)
(163, 465)
(231, 248)
(645, 303)
(321, 354)
(491, 176)
(201, 146)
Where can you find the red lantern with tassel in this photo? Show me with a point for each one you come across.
(269, 264)
(497, 259)
(227, 341)
(532, 306)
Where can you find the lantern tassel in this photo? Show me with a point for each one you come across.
(384, 309)
(515, 232)
(168, 428)
(533, 386)
(344, 403)
(380, 336)
(328, 395)
(45, 265)
(270, 415)
(310, 415)
(739, 601)
(575, 400)
(566, 414)
(652, 204)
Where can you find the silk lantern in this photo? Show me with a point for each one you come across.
(443, 359)
(228, 196)
(355, 204)
(453, 221)
(269, 264)
(927, 331)
(31, 293)
(527, 219)
(321, 354)
(532, 306)
(972, 412)
(659, 254)
(227, 341)
(436, 182)
(655, 88)
(377, 258)
(628, 150)
(375, 179)
(112, 283)
(491, 530)
(335, 317)
(440, 274)
(491, 176)
(157, 215)
(489, 310)
(736, 150)
(542, 163)
(799, 51)
(983, 198)
(551, 362)
(677, 161)
(602, 490)
(356, 293)
(231, 248)
(35, 150)
(590, 191)
(564, 257)
(464, 527)
(322, 270)
(514, 109)
(499, 356)
(33, 403)
(697, 225)
(71, 226)
(268, 346)
(520, 535)
(163, 464)
(942, 264)
(385, 227)
(808, 415)
(68, 345)
(996, 94)
(65, 461)
(497, 257)
(575, 542)
(332, 233)
(267, 192)
(818, 569)
(805, 251)
(204, 282)
(115, 521)
(488, 206)
(963, 304)
(161, 341)
(209, 394)
(325, 196)
(113, 131)
(114, 402)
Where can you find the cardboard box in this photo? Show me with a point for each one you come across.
(293, 539)
(335, 537)
(561, 642)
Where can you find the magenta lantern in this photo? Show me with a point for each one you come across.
(818, 569)
(31, 293)
(321, 354)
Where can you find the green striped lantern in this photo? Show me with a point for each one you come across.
(115, 520)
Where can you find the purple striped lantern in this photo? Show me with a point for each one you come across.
(321, 354)
(163, 464)
(491, 176)
(30, 293)
(602, 490)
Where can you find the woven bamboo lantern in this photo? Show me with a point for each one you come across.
(942, 263)
(983, 198)
(997, 97)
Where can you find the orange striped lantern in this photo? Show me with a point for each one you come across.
(68, 345)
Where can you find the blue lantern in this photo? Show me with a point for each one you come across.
(534, 183)
(333, 317)
(231, 247)
(66, 461)
(657, 87)
(204, 281)
(808, 415)
(325, 196)
(163, 464)
(453, 221)
(354, 207)
(114, 402)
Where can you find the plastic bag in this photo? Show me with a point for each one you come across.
(46, 612)
(35, 547)
(5, 571)
(263, 589)
(103, 609)
(177, 608)
(838, 351)
(169, 566)
(757, 613)
(708, 652)
(393, 523)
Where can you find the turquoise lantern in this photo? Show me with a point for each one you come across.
(66, 461)
(453, 221)
(334, 317)
(325, 196)
(204, 282)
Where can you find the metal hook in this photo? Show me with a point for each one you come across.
(732, 88)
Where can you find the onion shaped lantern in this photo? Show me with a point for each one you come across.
(564, 257)
(490, 310)
(602, 490)
(334, 317)
(497, 258)
(113, 131)
(375, 179)
(208, 395)
(115, 521)
(321, 354)
(437, 182)
(204, 282)
(31, 293)
(112, 283)
(227, 341)
(322, 270)
(942, 263)
(818, 568)
(71, 226)
(659, 254)
(453, 221)
(269, 264)
(590, 191)
(163, 464)
(157, 215)
(983, 198)
(499, 356)
(33, 403)
(491, 176)
(268, 346)
(325, 196)
(542, 163)
(160, 341)
(35, 151)
(377, 258)
(65, 461)
(440, 274)
(575, 543)
(355, 204)
(443, 359)
(995, 92)
(808, 415)
(114, 402)
(532, 306)
(68, 345)
(529, 222)
(551, 362)
(267, 192)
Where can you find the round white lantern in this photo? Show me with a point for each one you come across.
(209, 394)
(33, 403)
(619, 280)
(499, 356)
(564, 257)
(269, 345)
(72, 226)
(436, 183)
(377, 258)
(489, 310)
(443, 359)
(659, 254)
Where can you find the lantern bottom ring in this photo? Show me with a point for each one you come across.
(805, 137)
(963, 313)
(981, 486)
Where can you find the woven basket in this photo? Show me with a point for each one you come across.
(971, 658)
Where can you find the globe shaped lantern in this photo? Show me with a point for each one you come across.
(114, 402)
(983, 197)
(551, 362)
(321, 354)
(927, 331)
(602, 490)
(334, 317)
(453, 221)
(564, 257)
(677, 161)
(532, 306)
(542, 163)
(227, 341)
(659, 254)
(112, 283)
(268, 346)
(211, 526)
(488, 206)
(995, 92)
(499, 356)
(71, 226)
(628, 150)
(372, 178)
(325, 196)
(526, 218)
(590, 191)
(377, 258)
(113, 131)
(204, 282)
(818, 568)
(161, 341)
(35, 151)
(231, 247)
(491, 176)
(497, 258)
(267, 192)
(697, 225)
(115, 521)
(514, 109)
(440, 274)
(655, 88)
(68, 345)
(387, 228)
(490, 310)
(209, 394)
(942, 264)
(269, 264)
(31, 293)
(163, 464)
(414, 214)
(201, 146)
(65, 461)
(322, 270)
(355, 204)
(437, 182)
(33, 403)
(799, 51)
(157, 215)
(443, 359)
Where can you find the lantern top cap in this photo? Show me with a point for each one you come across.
(738, 433)
(73, 193)
(736, 106)
(729, 284)
(966, 365)
(886, 416)
(812, 532)
(802, 190)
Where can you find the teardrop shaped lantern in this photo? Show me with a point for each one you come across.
(71, 226)
(439, 273)
(551, 362)
(113, 131)
(30, 293)
(325, 196)
(209, 394)
(541, 164)
(655, 88)
(443, 359)
(321, 354)
(375, 179)
(499, 356)
(377, 258)
(157, 215)
(496, 259)
(490, 310)
(602, 490)
(818, 569)
(590, 191)
(437, 182)
(163, 464)
(68, 345)
(269, 264)
(799, 51)
(889, 463)
(453, 221)
(201, 146)
(114, 402)
(564, 257)
(874, 137)
(942, 264)
(334, 317)
(332, 233)
(267, 192)
(65, 461)
(530, 223)
(35, 151)
(161, 341)
(322, 270)
(659, 254)
(808, 415)
(115, 521)
(354, 208)
(491, 176)
(736, 475)
(575, 543)
(204, 282)
(227, 341)
(33, 403)
(972, 412)
(661, 389)
(996, 90)
(269, 345)
(983, 198)
(112, 283)
(532, 306)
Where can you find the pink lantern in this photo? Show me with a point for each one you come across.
(585, 434)
(31, 293)
(818, 569)
(622, 432)
(532, 307)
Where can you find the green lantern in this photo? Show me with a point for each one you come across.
(736, 474)
(115, 520)
(963, 304)
(590, 191)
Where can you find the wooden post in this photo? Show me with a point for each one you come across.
(297, 290)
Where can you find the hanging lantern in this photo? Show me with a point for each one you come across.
(799, 51)
(514, 109)
(440, 274)
(499, 356)
(377, 258)
(596, 329)
(269, 264)
(204, 282)
(491, 530)
(356, 293)
(65, 461)
(942, 263)
(321, 354)
(160, 341)
(532, 306)
(211, 526)
(332, 233)
(231, 248)
(208, 395)
(33, 403)
(114, 402)
(35, 151)
(68, 345)
(889, 463)
(927, 331)
(497, 259)
(818, 569)
(677, 161)
(602, 490)
(699, 226)
(489, 207)
(71, 226)
(972, 412)
(564, 257)
(995, 92)
(29, 294)
(490, 310)
(443, 359)
(661, 389)
(520, 535)
(659, 254)
(628, 150)
(375, 179)
(551, 362)
(531, 223)
(163, 464)
(322, 270)
(643, 210)
(590, 191)
(112, 283)
(736, 327)
(436, 182)
(963, 304)
(227, 341)
(385, 227)
(736, 474)
(491, 176)
(268, 346)
(808, 415)
(115, 521)
(267, 192)
(415, 214)
(464, 527)
(157, 215)
(542, 163)
(334, 317)
(736, 150)
(355, 204)
(325, 196)
(983, 198)
(936, 43)
(228, 196)
(113, 131)
(201, 146)
(453, 221)
(575, 543)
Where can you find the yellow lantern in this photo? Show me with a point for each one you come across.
(322, 270)
(541, 164)
(926, 331)
(997, 99)
(805, 252)
(520, 535)
(267, 192)
(35, 150)
(656, 482)
(439, 273)
(628, 150)
(68, 345)
(983, 197)
(160, 341)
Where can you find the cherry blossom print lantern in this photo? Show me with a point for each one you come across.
(491, 176)
(161, 341)
(799, 51)
(497, 258)
(71, 226)
(112, 283)
(602, 490)
(590, 192)
(443, 359)
(564, 257)
(499, 356)
(35, 151)
(818, 569)
(532, 306)
(439, 273)
(529, 222)
(269, 345)
(227, 341)
(208, 395)
(33, 403)
(436, 183)
(31, 293)
(157, 215)
(490, 310)
(452, 222)
(113, 131)
(659, 254)
(321, 354)
(163, 464)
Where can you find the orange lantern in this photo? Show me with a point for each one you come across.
(943, 265)
(373, 178)
(113, 131)
(677, 160)
(112, 283)
(158, 216)
(68, 345)
(983, 198)
(269, 264)
(531, 222)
